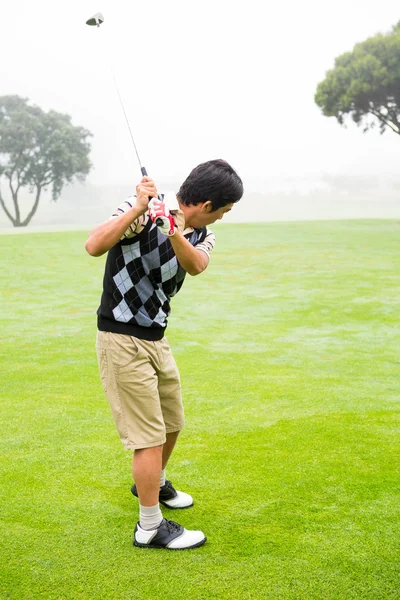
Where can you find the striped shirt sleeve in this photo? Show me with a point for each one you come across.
(138, 225)
(207, 245)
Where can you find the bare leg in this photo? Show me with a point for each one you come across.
(168, 447)
(146, 470)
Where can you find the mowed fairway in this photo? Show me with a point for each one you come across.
(289, 351)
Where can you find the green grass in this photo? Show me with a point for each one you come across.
(288, 347)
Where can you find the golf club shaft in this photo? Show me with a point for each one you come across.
(143, 169)
(97, 20)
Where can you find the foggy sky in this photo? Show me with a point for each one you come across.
(202, 80)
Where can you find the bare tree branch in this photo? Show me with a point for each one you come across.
(9, 215)
(46, 183)
(382, 118)
(9, 177)
(34, 207)
(15, 199)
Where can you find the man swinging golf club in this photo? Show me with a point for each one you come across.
(150, 250)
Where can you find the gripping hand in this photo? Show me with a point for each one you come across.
(160, 215)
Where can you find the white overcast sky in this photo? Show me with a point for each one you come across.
(200, 80)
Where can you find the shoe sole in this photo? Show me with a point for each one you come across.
(156, 547)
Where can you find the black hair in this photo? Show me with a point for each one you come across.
(215, 181)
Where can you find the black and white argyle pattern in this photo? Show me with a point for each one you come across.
(141, 276)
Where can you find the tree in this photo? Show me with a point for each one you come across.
(365, 84)
(38, 150)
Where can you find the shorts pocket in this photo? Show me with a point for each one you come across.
(122, 350)
(125, 354)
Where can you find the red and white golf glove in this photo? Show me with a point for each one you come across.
(160, 215)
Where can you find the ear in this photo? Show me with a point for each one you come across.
(207, 206)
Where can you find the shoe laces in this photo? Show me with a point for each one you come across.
(172, 526)
(169, 485)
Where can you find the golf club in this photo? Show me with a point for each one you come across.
(95, 21)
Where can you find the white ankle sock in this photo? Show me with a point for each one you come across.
(150, 516)
(162, 478)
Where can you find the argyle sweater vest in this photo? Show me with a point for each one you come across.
(141, 275)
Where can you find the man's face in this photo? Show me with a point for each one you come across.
(204, 214)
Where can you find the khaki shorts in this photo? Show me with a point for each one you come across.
(142, 385)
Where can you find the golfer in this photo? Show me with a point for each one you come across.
(151, 246)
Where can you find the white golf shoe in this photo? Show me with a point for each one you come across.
(168, 535)
(170, 497)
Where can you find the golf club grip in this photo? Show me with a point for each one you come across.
(144, 174)
(159, 222)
